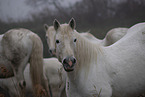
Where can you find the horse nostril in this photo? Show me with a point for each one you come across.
(64, 61)
(24, 83)
(50, 51)
(74, 60)
(20, 86)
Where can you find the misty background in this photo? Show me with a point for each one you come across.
(98, 16)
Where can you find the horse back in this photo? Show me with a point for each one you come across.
(16, 44)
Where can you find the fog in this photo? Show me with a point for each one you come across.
(97, 16)
(20, 10)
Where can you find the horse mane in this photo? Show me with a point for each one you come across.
(86, 52)
(65, 28)
(50, 29)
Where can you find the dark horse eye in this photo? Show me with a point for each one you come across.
(57, 41)
(75, 40)
(46, 37)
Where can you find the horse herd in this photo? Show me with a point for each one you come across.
(84, 65)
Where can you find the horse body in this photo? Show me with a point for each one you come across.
(17, 47)
(114, 35)
(20, 46)
(56, 76)
(114, 71)
(129, 63)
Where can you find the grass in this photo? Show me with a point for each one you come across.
(95, 93)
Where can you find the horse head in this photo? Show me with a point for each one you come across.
(65, 44)
(50, 37)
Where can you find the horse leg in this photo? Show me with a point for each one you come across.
(63, 92)
(18, 71)
(19, 87)
(46, 86)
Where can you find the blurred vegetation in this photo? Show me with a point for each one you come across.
(98, 16)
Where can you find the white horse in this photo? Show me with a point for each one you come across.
(97, 71)
(112, 36)
(18, 47)
(55, 76)
(54, 73)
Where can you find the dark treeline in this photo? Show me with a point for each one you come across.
(98, 16)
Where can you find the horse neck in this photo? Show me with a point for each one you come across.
(85, 53)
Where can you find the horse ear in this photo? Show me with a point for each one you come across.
(46, 27)
(72, 23)
(56, 24)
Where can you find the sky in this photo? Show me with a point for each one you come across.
(13, 9)
(18, 10)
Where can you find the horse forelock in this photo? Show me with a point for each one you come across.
(65, 29)
(50, 30)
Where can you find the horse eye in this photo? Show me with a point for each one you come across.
(75, 40)
(57, 41)
(46, 37)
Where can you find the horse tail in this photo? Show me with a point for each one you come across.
(36, 65)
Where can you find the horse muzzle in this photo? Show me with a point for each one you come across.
(52, 52)
(68, 63)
